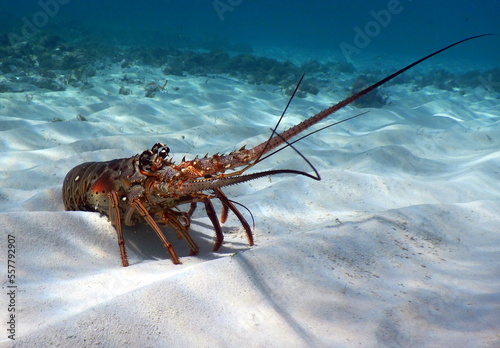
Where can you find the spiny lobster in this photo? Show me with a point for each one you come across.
(152, 187)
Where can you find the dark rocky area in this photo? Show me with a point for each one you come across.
(52, 63)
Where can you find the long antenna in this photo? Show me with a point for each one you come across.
(273, 131)
(276, 141)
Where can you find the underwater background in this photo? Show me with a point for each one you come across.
(396, 246)
(393, 27)
(203, 37)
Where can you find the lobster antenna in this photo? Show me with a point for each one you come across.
(288, 144)
(305, 136)
(323, 114)
(279, 121)
(248, 210)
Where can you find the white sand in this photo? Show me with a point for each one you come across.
(398, 245)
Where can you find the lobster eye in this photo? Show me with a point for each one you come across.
(156, 147)
(146, 153)
(145, 158)
(145, 161)
(163, 152)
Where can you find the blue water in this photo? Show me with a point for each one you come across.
(349, 28)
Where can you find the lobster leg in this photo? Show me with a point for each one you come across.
(137, 205)
(219, 237)
(227, 204)
(192, 208)
(115, 218)
(212, 215)
(224, 212)
(169, 217)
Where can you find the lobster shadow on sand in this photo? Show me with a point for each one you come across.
(143, 244)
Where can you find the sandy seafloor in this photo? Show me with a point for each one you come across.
(398, 245)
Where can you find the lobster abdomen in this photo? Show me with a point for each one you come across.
(87, 185)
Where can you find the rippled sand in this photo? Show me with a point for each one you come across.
(398, 244)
